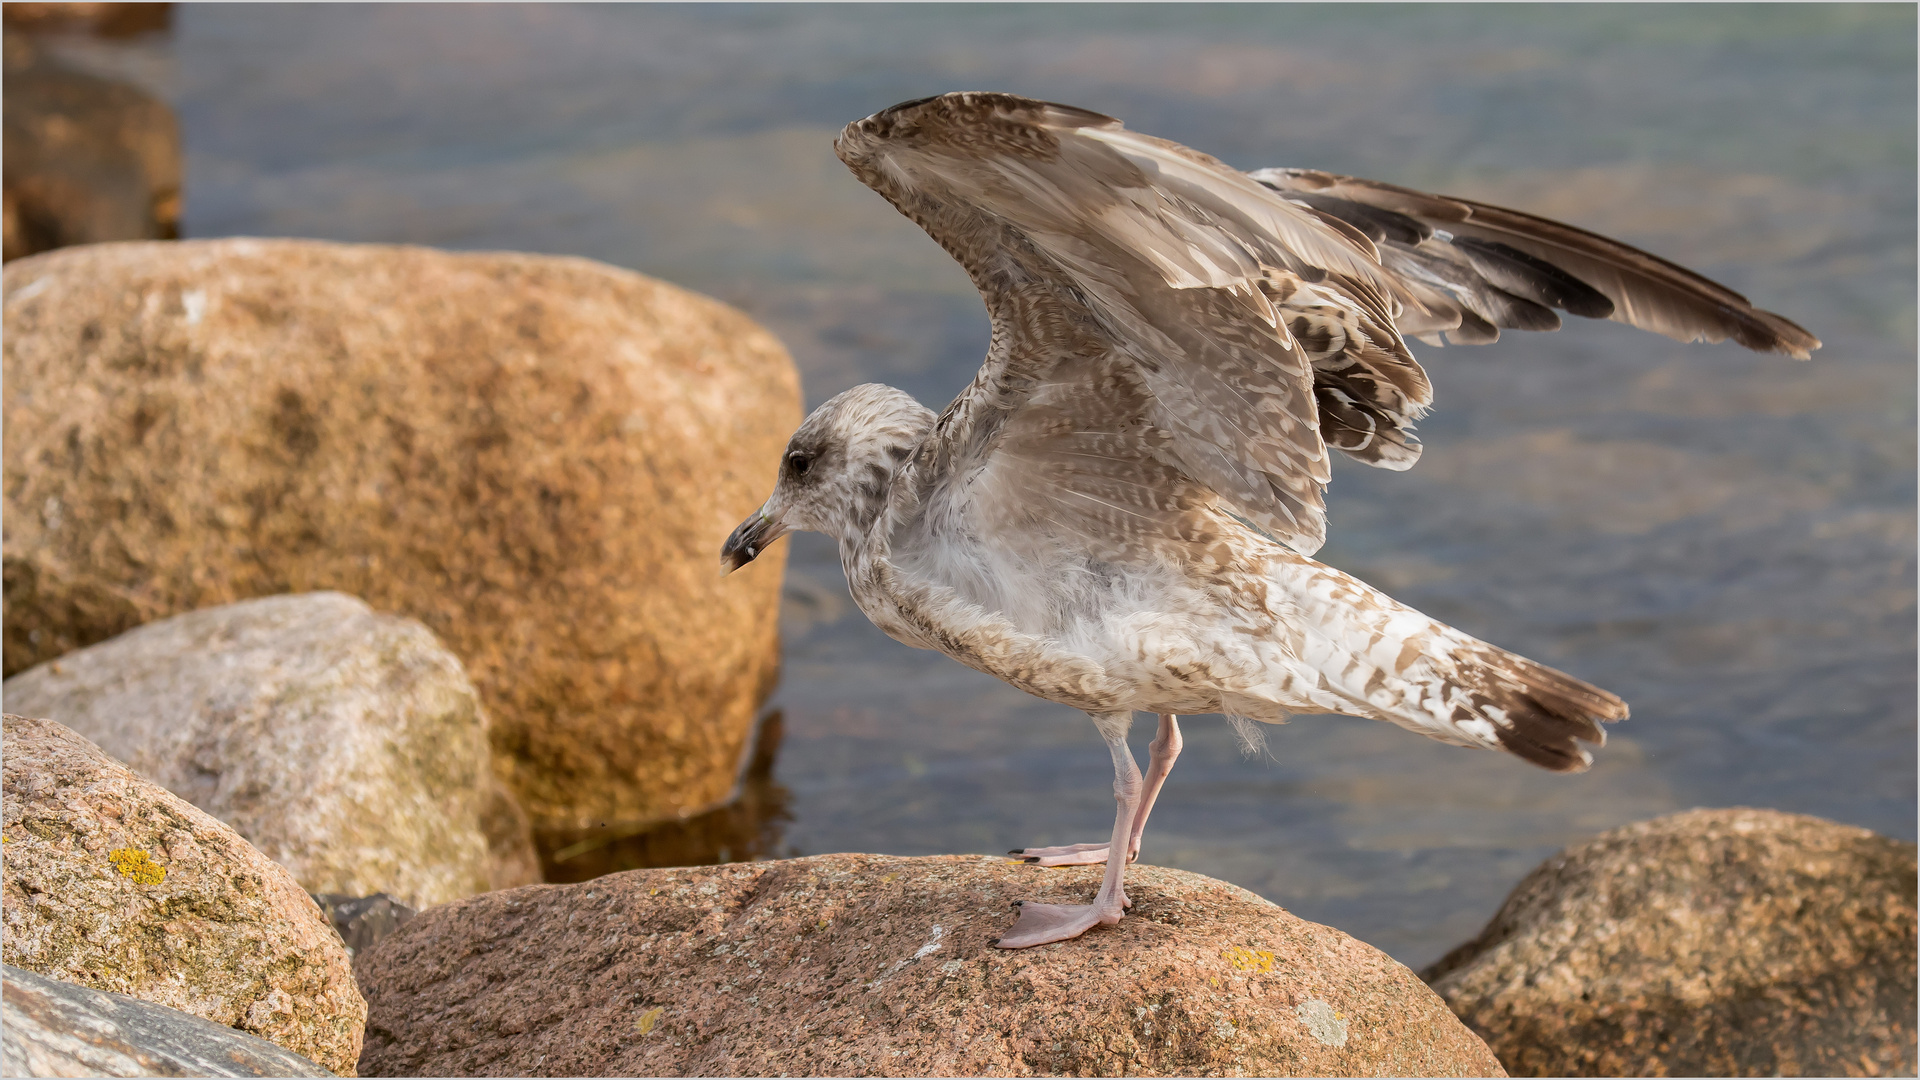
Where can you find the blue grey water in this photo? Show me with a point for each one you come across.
(1726, 540)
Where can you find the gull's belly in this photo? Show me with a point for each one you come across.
(1268, 636)
(1152, 636)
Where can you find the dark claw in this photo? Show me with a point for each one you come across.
(993, 941)
(1031, 859)
(1017, 903)
(1016, 851)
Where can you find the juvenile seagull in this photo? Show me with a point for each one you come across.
(1117, 514)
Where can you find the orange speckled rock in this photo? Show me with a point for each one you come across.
(1710, 943)
(875, 965)
(536, 457)
(112, 882)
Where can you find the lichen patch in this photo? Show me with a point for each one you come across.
(138, 865)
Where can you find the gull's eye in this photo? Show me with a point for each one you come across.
(800, 461)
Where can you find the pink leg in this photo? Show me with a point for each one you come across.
(1161, 753)
(1042, 923)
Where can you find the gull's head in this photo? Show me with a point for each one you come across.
(836, 470)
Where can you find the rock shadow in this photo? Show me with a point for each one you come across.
(747, 828)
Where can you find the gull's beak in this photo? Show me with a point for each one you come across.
(749, 540)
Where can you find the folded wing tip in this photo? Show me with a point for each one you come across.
(1801, 347)
(1777, 334)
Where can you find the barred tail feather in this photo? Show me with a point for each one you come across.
(1538, 714)
(1363, 653)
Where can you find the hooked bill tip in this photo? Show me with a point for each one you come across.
(749, 541)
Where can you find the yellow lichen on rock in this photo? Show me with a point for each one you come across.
(138, 865)
(229, 938)
(1249, 959)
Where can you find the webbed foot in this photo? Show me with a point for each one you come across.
(1063, 855)
(1043, 923)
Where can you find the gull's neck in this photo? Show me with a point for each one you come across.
(872, 495)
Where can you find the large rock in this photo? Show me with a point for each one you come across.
(855, 965)
(54, 1028)
(347, 746)
(87, 159)
(536, 457)
(1710, 943)
(113, 883)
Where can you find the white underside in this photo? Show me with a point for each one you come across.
(1273, 634)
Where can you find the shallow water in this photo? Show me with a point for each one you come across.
(1725, 540)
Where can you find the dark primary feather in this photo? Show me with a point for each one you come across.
(1379, 224)
(1488, 257)
(1514, 271)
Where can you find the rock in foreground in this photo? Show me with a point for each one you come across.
(53, 1028)
(536, 457)
(1709, 943)
(346, 745)
(113, 883)
(865, 964)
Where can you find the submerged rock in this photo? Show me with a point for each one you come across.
(1709, 943)
(111, 882)
(364, 921)
(110, 20)
(536, 457)
(88, 159)
(54, 1028)
(865, 964)
(346, 745)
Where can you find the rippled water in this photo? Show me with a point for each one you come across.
(1725, 540)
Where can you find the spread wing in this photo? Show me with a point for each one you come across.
(1170, 333)
(1140, 298)
(1471, 270)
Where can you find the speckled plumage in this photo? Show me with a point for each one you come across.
(1118, 513)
